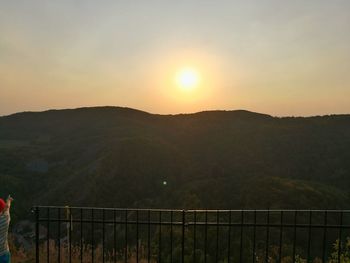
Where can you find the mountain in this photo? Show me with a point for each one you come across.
(122, 157)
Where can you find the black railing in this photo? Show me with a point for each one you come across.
(80, 234)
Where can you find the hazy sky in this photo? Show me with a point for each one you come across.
(271, 56)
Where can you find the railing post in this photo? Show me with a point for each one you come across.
(48, 236)
(36, 234)
(324, 246)
(205, 236)
(160, 238)
(103, 235)
(81, 235)
(229, 238)
(241, 238)
(171, 236)
(340, 236)
(69, 220)
(183, 238)
(268, 237)
(137, 236)
(149, 237)
(295, 234)
(194, 236)
(92, 235)
(59, 234)
(217, 237)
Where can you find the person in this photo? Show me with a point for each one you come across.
(5, 256)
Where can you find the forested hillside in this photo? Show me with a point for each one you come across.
(118, 157)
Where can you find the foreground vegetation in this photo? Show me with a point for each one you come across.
(21, 256)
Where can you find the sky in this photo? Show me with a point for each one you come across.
(284, 58)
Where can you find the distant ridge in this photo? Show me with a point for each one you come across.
(127, 109)
(117, 109)
(236, 113)
(80, 109)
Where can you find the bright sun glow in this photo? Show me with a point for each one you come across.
(187, 79)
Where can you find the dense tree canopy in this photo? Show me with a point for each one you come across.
(118, 157)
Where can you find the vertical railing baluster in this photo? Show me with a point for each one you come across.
(171, 236)
(149, 237)
(295, 233)
(267, 237)
(217, 236)
(48, 236)
(205, 236)
(59, 234)
(92, 235)
(81, 235)
(340, 236)
(70, 234)
(126, 237)
(103, 235)
(194, 236)
(37, 234)
(324, 245)
(241, 238)
(137, 236)
(160, 238)
(229, 237)
(281, 236)
(183, 238)
(309, 238)
(254, 238)
(114, 236)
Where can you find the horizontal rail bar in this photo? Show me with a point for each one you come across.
(197, 223)
(199, 210)
(110, 208)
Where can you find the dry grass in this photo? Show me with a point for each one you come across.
(19, 255)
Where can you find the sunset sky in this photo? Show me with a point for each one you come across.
(271, 56)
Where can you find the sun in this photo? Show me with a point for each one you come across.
(187, 78)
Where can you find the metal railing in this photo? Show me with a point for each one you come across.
(81, 234)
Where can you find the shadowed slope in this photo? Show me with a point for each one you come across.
(111, 156)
